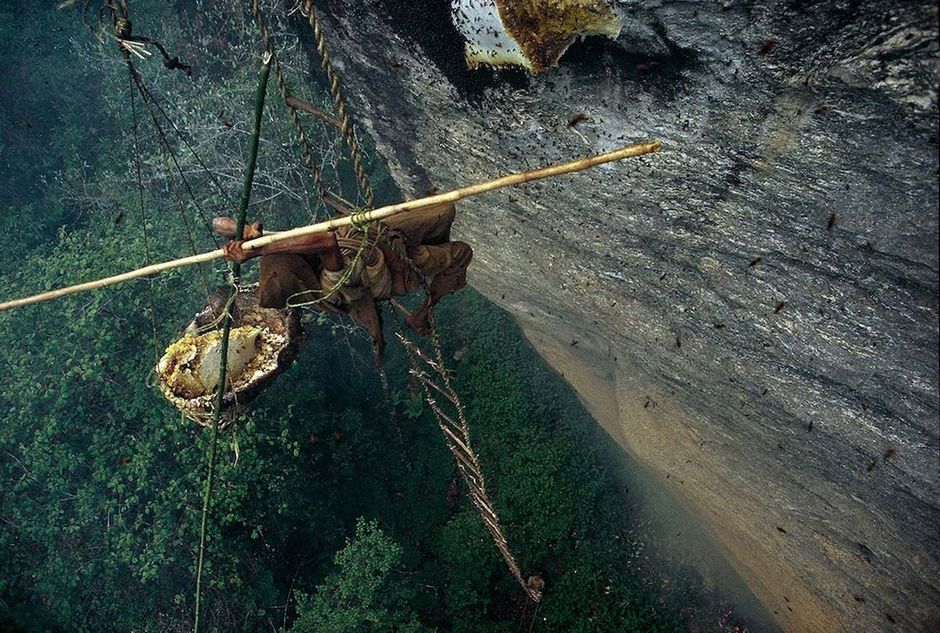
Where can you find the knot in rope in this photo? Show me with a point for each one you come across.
(361, 221)
(346, 279)
(122, 28)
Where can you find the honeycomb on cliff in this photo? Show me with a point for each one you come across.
(533, 34)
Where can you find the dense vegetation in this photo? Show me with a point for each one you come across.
(336, 510)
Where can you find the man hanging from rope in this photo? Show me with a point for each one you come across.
(347, 271)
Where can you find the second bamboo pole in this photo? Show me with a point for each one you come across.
(226, 331)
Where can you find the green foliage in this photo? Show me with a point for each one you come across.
(364, 594)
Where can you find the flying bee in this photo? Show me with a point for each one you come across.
(577, 118)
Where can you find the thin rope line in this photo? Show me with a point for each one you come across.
(168, 151)
(149, 99)
(534, 615)
(307, 150)
(192, 150)
(143, 214)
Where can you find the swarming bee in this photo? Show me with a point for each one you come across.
(533, 35)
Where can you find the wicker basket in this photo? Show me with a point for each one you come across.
(262, 344)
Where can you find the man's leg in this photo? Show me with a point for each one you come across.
(429, 226)
(366, 313)
(284, 275)
(447, 265)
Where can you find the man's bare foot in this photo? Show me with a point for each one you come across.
(418, 320)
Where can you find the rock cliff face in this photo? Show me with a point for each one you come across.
(752, 312)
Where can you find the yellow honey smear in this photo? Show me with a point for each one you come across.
(190, 367)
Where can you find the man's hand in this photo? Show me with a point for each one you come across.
(323, 245)
(233, 252)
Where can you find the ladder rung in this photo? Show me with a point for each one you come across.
(430, 383)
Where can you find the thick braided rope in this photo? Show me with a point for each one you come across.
(340, 104)
(306, 148)
(457, 436)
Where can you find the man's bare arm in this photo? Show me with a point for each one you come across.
(324, 245)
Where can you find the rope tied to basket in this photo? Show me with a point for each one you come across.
(264, 343)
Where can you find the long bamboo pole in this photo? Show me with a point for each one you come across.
(329, 225)
(226, 331)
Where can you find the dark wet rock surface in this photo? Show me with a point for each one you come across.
(769, 280)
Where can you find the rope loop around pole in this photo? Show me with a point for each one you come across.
(361, 221)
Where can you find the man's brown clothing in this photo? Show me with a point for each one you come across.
(423, 236)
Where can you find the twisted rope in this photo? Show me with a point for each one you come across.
(340, 104)
(143, 211)
(457, 436)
